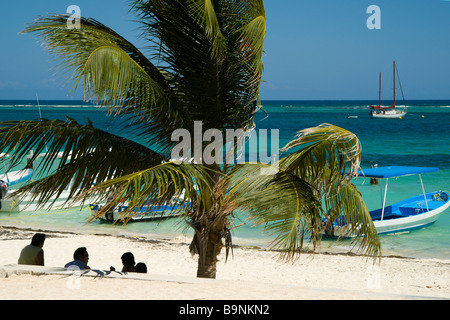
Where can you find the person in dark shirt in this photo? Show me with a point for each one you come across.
(128, 262)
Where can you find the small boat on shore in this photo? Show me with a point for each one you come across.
(8, 179)
(411, 214)
(147, 212)
(388, 112)
(8, 203)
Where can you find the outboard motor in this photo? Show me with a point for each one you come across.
(3, 189)
(109, 215)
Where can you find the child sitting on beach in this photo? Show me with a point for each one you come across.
(141, 267)
(129, 264)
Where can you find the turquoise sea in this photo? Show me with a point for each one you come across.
(421, 138)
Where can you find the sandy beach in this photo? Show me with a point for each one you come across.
(251, 274)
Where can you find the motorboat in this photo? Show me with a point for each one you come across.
(12, 203)
(9, 179)
(146, 212)
(410, 214)
(7, 202)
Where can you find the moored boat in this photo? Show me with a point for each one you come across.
(29, 202)
(147, 212)
(389, 112)
(7, 202)
(410, 214)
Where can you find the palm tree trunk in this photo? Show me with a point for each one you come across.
(208, 246)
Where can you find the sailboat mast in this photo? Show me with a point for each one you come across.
(394, 83)
(379, 93)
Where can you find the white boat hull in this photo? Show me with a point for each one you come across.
(15, 177)
(408, 215)
(145, 213)
(8, 203)
(15, 204)
(388, 114)
(409, 223)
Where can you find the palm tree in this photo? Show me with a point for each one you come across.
(205, 65)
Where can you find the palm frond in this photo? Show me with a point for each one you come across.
(323, 147)
(82, 48)
(205, 12)
(158, 185)
(284, 203)
(199, 44)
(115, 73)
(345, 203)
(307, 186)
(209, 55)
(75, 151)
(252, 37)
(328, 158)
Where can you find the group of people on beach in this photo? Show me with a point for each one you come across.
(33, 254)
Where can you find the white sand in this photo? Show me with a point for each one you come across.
(250, 274)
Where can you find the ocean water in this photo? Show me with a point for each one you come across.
(421, 138)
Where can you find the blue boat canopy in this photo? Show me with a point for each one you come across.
(394, 171)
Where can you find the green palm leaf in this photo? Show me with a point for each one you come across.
(115, 73)
(324, 146)
(76, 152)
(345, 202)
(158, 185)
(205, 60)
(285, 204)
(328, 158)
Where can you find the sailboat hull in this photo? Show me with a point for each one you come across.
(388, 114)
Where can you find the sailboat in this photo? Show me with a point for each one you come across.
(389, 112)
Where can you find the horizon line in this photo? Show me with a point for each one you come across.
(93, 102)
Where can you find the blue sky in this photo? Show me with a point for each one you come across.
(314, 49)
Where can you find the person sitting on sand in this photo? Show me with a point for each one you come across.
(33, 254)
(141, 267)
(128, 262)
(81, 258)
